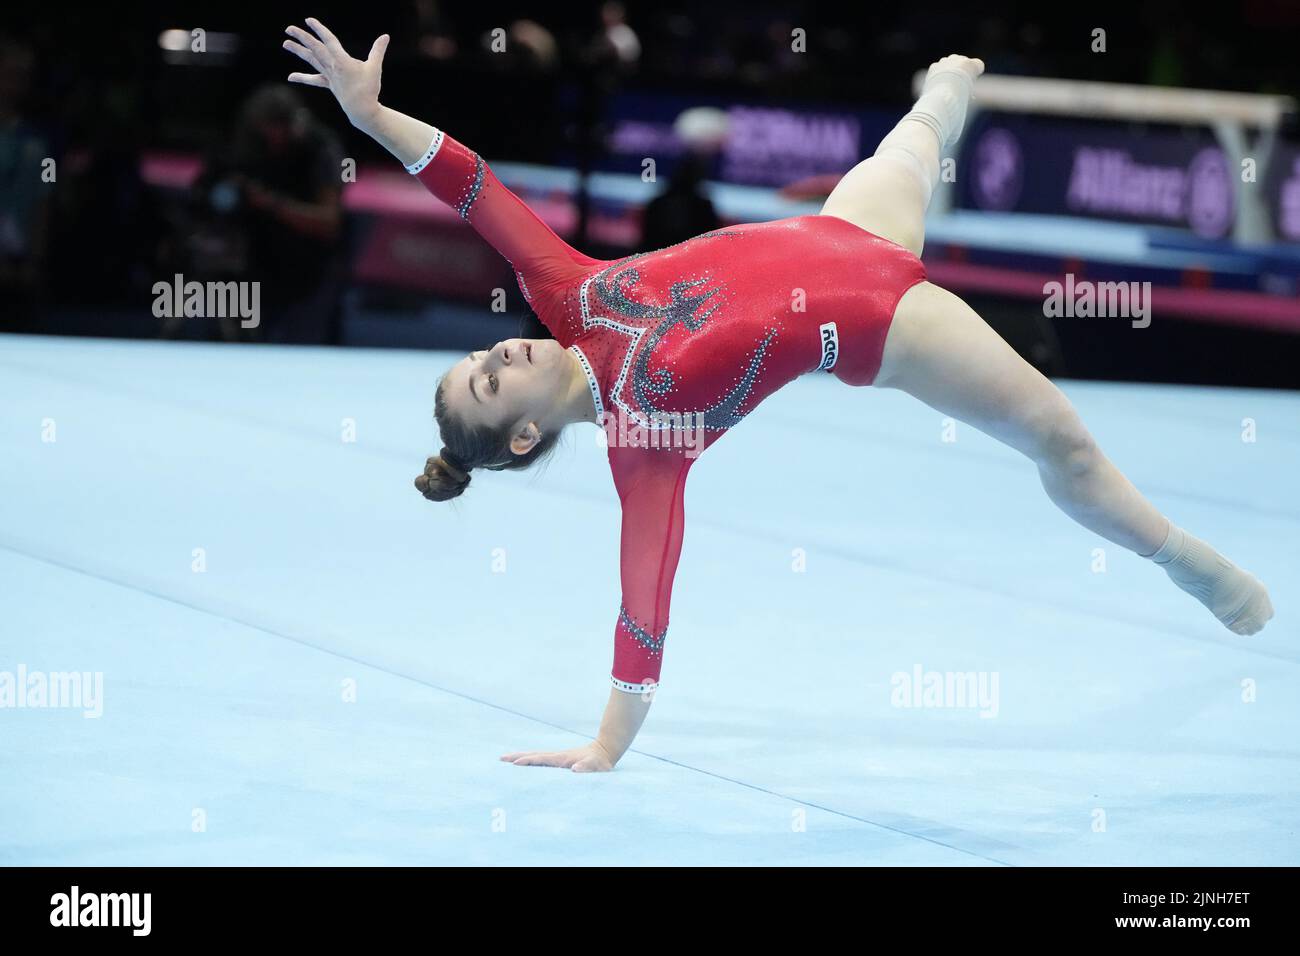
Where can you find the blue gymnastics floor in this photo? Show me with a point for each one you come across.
(1127, 726)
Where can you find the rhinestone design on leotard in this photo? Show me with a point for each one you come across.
(475, 187)
(691, 304)
(592, 383)
(654, 643)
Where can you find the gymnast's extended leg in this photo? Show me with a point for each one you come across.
(887, 194)
(940, 351)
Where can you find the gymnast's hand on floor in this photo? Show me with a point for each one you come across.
(354, 83)
(590, 758)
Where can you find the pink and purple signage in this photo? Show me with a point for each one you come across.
(1155, 175)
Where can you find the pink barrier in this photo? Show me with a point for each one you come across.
(1224, 306)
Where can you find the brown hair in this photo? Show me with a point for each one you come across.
(467, 447)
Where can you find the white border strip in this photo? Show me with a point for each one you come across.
(591, 384)
(434, 145)
(649, 687)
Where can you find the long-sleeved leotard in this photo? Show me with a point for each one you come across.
(678, 345)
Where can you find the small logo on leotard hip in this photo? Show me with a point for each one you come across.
(830, 346)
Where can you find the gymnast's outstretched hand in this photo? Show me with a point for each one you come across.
(589, 758)
(624, 714)
(354, 83)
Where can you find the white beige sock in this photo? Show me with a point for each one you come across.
(942, 109)
(942, 106)
(1235, 597)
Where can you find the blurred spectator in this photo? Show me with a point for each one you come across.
(536, 42)
(104, 222)
(271, 211)
(433, 35)
(682, 211)
(24, 195)
(617, 42)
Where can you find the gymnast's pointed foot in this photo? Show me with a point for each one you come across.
(955, 62)
(1235, 597)
(945, 96)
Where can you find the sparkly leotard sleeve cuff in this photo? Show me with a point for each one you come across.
(434, 145)
(638, 655)
(647, 687)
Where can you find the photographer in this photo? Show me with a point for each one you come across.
(271, 212)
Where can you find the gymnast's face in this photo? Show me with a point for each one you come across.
(517, 383)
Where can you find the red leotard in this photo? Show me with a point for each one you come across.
(680, 344)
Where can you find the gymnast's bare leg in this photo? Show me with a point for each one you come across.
(941, 352)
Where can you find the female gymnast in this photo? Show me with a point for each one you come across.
(686, 341)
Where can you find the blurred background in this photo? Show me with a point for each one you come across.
(139, 143)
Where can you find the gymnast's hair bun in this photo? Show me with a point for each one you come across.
(444, 478)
